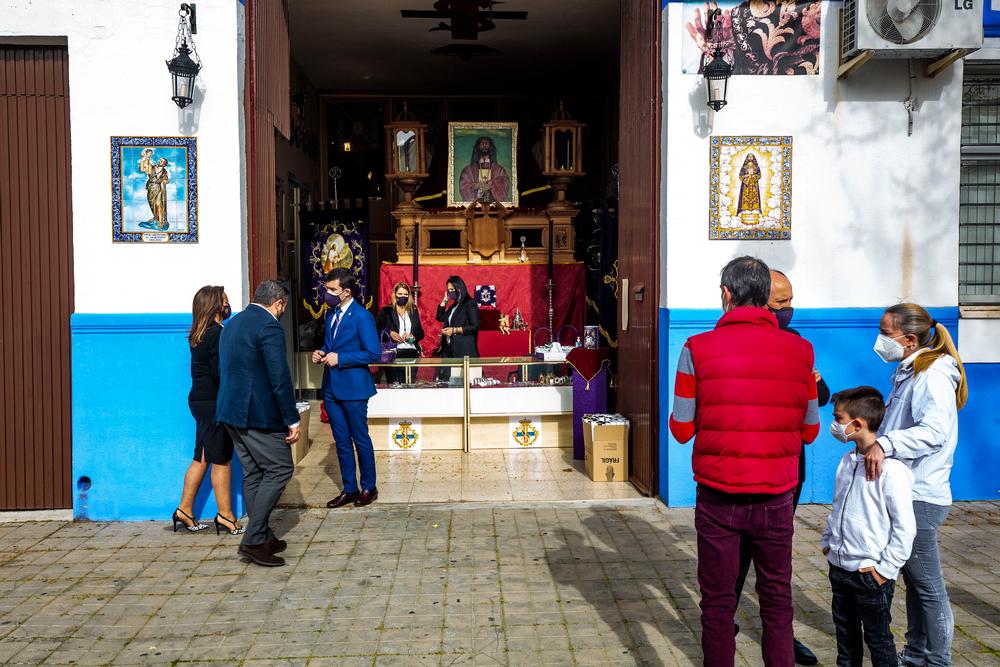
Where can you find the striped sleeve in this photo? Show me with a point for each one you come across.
(682, 419)
(810, 425)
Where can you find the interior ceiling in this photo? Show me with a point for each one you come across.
(366, 45)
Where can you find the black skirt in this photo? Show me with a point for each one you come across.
(210, 439)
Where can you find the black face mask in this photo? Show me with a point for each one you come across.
(402, 300)
(227, 312)
(784, 316)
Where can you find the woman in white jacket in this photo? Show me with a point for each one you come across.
(920, 429)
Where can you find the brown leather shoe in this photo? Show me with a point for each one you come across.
(260, 554)
(366, 498)
(342, 499)
(276, 546)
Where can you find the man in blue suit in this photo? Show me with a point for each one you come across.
(256, 403)
(351, 344)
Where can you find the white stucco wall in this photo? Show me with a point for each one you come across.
(119, 85)
(874, 212)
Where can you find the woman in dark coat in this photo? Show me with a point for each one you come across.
(460, 319)
(402, 321)
(212, 445)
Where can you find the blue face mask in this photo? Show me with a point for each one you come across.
(332, 300)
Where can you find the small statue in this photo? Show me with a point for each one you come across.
(523, 257)
(519, 323)
(505, 325)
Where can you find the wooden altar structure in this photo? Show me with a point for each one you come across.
(478, 235)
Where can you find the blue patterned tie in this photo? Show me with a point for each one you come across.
(336, 321)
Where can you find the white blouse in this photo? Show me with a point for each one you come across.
(405, 328)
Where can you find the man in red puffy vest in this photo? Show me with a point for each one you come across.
(746, 393)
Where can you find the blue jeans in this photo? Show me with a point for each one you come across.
(349, 423)
(861, 610)
(930, 623)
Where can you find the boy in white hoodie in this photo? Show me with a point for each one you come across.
(868, 535)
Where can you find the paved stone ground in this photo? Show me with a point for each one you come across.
(426, 585)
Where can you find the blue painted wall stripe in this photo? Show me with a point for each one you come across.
(842, 339)
(133, 435)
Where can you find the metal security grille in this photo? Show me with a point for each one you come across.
(979, 214)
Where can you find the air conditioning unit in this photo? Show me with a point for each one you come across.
(910, 28)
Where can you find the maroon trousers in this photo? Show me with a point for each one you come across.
(764, 524)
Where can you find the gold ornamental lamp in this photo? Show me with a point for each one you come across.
(563, 162)
(404, 145)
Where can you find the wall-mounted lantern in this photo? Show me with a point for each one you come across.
(717, 71)
(404, 145)
(182, 67)
(563, 153)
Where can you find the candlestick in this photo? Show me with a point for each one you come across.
(416, 253)
(551, 285)
(550, 249)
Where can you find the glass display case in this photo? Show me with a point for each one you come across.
(428, 395)
(519, 402)
(499, 402)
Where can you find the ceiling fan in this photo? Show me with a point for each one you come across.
(468, 17)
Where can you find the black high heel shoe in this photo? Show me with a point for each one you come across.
(237, 529)
(193, 528)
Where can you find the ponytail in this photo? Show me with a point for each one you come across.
(934, 337)
(943, 344)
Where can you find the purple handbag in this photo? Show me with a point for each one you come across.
(388, 354)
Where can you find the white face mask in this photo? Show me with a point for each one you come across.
(839, 431)
(888, 349)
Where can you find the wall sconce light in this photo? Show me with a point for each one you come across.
(182, 67)
(717, 71)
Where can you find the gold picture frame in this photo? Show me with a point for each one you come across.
(468, 173)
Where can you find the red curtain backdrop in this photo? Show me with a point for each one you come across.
(496, 344)
(518, 286)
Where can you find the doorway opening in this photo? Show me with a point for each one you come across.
(355, 66)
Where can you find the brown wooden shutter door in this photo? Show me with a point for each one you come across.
(36, 278)
(267, 106)
(638, 233)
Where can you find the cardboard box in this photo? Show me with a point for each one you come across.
(605, 451)
(301, 448)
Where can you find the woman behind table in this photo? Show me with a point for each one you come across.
(920, 429)
(460, 316)
(402, 321)
(212, 445)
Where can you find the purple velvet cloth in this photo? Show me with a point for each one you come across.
(588, 398)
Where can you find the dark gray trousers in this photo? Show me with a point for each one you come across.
(267, 467)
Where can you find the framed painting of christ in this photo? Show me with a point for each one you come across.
(482, 163)
(750, 188)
